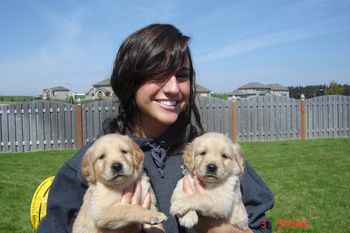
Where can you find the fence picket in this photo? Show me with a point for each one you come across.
(4, 129)
(60, 126)
(33, 126)
(12, 127)
(70, 126)
(26, 130)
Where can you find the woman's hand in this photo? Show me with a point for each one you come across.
(192, 185)
(132, 195)
(206, 224)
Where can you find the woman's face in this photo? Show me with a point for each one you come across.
(160, 100)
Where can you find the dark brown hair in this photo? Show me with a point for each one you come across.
(155, 50)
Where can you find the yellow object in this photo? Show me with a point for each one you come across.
(39, 202)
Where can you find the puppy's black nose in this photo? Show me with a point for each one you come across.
(117, 167)
(212, 168)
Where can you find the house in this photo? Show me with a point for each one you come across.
(57, 93)
(101, 90)
(257, 89)
(202, 91)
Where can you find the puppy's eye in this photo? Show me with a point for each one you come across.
(123, 151)
(102, 156)
(224, 156)
(202, 153)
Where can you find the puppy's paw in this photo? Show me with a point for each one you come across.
(174, 209)
(178, 208)
(189, 219)
(158, 228)
(156, 218)
(242, 225)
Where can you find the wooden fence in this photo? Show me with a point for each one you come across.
(268, 118)
(93, 115)
(43, 125)
(328, 116)
(37, 125)
(216, 114)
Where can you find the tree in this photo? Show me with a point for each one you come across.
(347, 90)
(335, 89)
(308, 91)
(219, 95)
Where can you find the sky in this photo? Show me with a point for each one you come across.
(49, 43)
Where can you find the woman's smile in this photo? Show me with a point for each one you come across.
(168, 104)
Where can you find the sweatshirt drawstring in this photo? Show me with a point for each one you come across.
(159, 156)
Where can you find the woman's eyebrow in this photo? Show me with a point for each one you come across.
(185, 68)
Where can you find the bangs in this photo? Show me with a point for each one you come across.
(164, 54)
(171, 60)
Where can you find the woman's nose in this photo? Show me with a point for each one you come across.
(171, 86)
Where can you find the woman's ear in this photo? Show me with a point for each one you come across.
(188, 157)
(138, 155)
(239, 158)
(87, 167)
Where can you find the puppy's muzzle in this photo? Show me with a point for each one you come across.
(117, 167)
(211, 169)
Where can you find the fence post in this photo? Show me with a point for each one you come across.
(303, 118)
(79, 127)
(234, 130)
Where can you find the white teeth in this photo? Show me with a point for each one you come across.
(168, 102)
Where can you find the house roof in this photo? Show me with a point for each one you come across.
(105, 82)
(202, 89)
(59, 88)
(253, 85)
(257, 85)
(277, 87)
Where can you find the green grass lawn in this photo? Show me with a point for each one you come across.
(308, 178)
(310, 181)
(10, 99)
(20, 174)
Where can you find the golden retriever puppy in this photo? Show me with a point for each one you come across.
(111, 164)
(217, 163)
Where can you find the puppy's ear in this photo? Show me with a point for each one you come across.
(138, 155)
(188, 157)
(87, 167)
(239, 158)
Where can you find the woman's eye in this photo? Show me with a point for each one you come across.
(159, 79)
(182, 77)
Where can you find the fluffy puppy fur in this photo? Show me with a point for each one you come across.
(217, 163)
(111, 164)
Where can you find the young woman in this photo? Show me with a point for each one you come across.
(154, 80)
